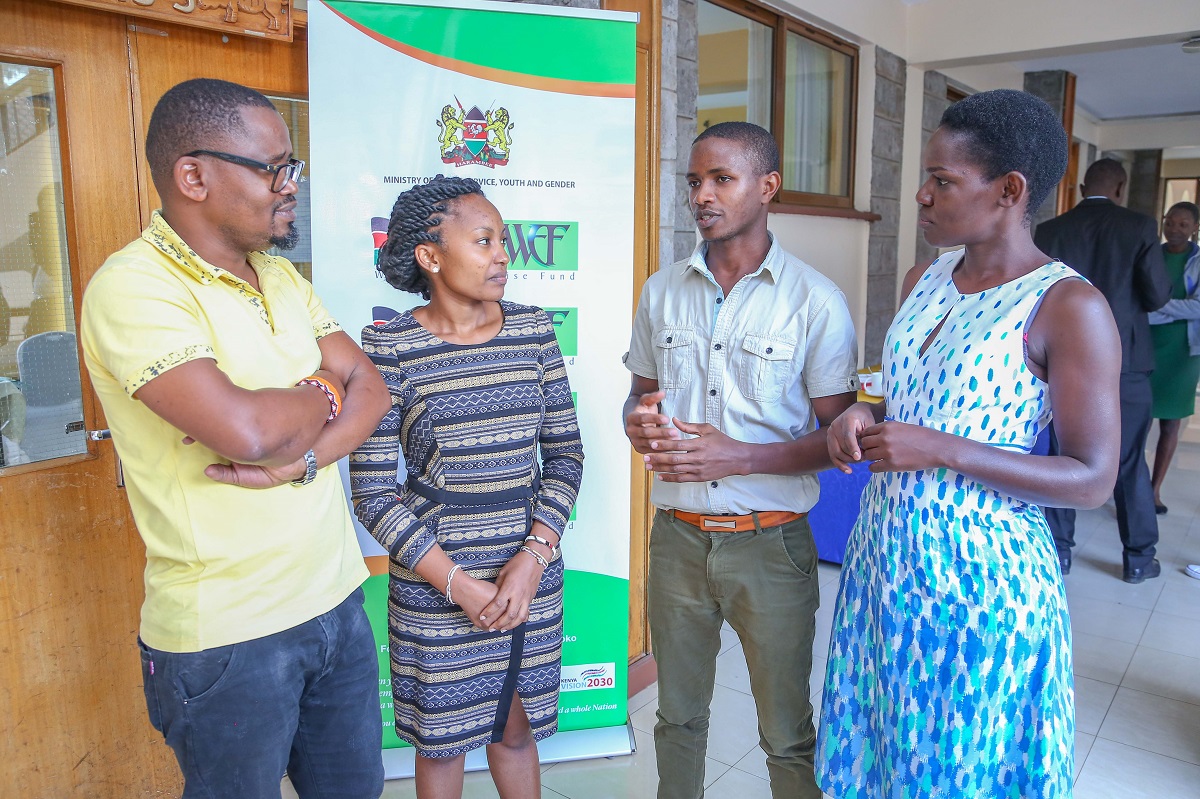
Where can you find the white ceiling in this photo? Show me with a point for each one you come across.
(1150, 81)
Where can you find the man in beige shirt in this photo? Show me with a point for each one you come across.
(736, 354)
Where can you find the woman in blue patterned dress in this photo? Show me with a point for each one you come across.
(478, 386)
(950, 661)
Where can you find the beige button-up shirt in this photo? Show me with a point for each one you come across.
(747, 363)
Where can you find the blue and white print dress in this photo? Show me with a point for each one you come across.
(950, 660)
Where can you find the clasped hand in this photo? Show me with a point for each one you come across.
(888, 446)
(504, 604)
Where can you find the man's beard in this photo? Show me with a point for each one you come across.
(288, 240)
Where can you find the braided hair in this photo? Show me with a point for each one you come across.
(415, 219)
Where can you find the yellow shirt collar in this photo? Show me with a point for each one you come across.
(164, 238)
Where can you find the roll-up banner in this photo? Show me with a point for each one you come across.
(537, 104)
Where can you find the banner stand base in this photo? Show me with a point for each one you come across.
(558, 748)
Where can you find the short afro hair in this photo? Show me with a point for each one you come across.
(415, 218)
(760, 145)
(1011, 131)
(197, 114)
(1187, 208)
(1104, 174)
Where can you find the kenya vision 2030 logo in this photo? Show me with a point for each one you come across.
(474, 136)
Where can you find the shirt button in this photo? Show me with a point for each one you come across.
(712, 392)
(720, 300)
(713, 484)
(669, 339)
(716, 346)
(769, 350)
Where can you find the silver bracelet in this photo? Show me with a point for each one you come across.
(449, 577)
(555, 551)
(536, 556)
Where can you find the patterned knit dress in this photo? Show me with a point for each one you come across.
(470, 420)
(950, 661)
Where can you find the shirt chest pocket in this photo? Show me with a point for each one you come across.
(674, 354)
(764, 366)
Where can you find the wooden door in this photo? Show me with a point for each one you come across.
(70, 559)
(164, 55)
(645, 245)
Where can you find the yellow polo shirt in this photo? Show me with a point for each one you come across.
(223, 564)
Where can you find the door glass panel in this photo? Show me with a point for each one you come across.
(41, 405)
(295, 114)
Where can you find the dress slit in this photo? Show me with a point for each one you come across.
(510, 682)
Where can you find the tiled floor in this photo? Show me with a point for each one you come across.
(1137, 678)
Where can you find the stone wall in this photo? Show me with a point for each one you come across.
(931, 115)
(680, 94)
(1144, 195)
(886, 159)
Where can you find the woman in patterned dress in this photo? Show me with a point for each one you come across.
(949, 669)
(478, 386)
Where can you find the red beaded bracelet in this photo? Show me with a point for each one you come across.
(335, 402)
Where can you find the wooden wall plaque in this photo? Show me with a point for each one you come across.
(268, 19)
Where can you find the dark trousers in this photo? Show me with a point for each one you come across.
(305, 700)
(764, 582)
(1133, 495)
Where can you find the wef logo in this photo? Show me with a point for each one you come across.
(566, 329)
(543, 245)
(531, 246)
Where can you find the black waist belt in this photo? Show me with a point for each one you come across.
(444, 497)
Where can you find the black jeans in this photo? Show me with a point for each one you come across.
(305, 700)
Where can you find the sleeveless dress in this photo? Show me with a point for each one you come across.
(950, 660)
(470, 419)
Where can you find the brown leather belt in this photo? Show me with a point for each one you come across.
(736, 524)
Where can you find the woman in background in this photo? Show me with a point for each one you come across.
(1176, 332)
(949, 668)
(475, 602)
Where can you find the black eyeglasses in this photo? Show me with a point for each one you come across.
(280, 173)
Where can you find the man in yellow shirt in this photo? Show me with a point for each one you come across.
(231, 394)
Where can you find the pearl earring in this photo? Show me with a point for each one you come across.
(435, 269)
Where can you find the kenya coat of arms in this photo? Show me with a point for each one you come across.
(475, 137)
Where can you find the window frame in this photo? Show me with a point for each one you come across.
(789, 201)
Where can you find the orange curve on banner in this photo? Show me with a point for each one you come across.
(560, 85)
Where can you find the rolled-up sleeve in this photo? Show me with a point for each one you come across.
(831, 353)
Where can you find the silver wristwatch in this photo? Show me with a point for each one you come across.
(310, 470)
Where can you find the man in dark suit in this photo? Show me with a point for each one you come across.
(1118, 251)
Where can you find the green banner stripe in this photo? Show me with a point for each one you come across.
(564, 48)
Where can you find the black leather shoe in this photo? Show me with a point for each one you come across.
(1064, 562)
(1147, 572)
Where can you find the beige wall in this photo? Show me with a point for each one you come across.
(947, 33)
(1181, 167)
(837, 248)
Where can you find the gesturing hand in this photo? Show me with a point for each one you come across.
(711, 455)
(645, 425)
